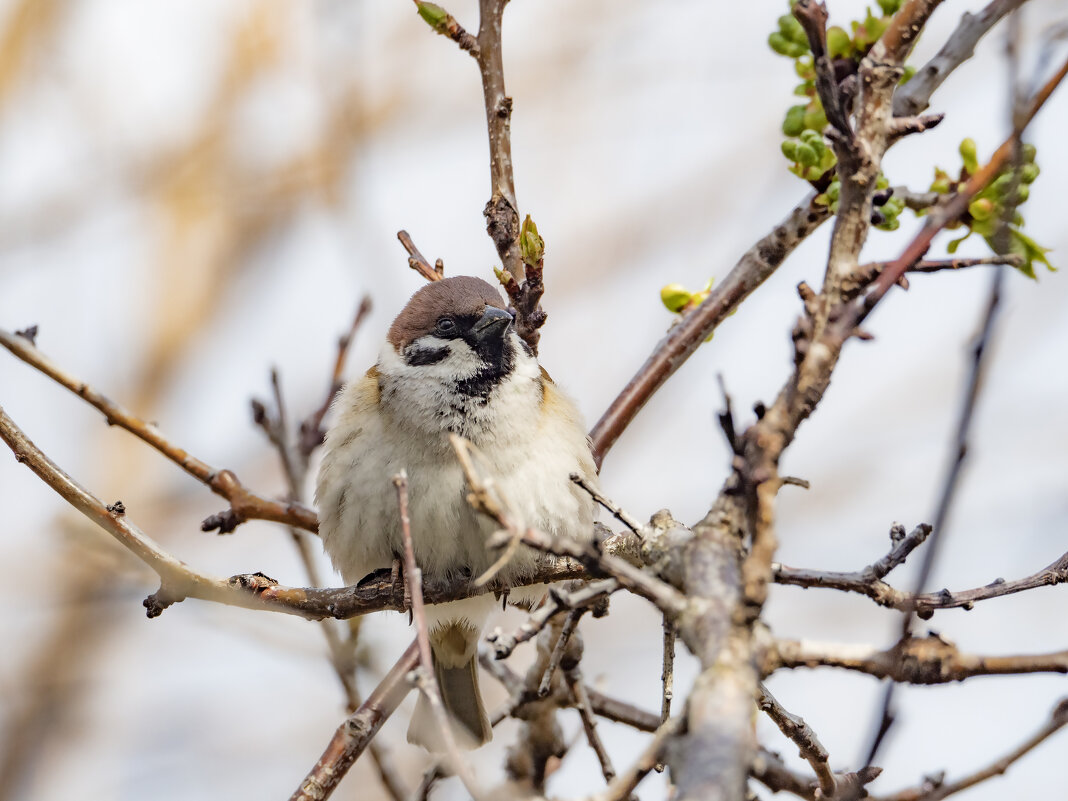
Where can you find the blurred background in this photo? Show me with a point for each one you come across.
(192, 191)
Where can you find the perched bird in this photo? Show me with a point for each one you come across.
(452, 363)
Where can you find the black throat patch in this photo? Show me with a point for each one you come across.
(498, 361)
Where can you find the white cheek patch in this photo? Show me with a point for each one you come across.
(422, 360)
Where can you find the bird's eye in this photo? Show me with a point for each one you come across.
(446, 325)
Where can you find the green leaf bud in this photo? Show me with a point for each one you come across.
(1022, 193)
(675, 297)
(1029, 152)
(806, 155)
(981, 209)
(838, 42)
(779, 43)
(792, 30)
(794, 122)
(968, 155)
(531, 246)
(814, 118)
(435, 15)
(889, 7)
(789, 149)
(1028, 173)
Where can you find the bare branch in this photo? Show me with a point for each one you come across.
(502, 211)
(418, 262)
(682, 341)
(935, 791)
(618, 513)
(865, 583)
(917, 660)
(914, 96)
(353, 736)
(811, 749)
(426, 677)
(622, 786)
(244, 504)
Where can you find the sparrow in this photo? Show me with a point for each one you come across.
(452, 363)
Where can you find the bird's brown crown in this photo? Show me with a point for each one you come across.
(459, 296)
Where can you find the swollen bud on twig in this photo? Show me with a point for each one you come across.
(435, 15)
(675, 297)
(968, 155)
(531, 246)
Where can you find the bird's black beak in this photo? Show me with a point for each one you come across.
(492, 325)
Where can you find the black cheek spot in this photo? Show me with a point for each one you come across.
(417, 357)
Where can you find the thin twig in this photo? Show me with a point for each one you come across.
(418, 262)
(795, 729)
(618, 513)
(585, 710)
(557, 601)
(667, 673)
(623, 785)
(426, 678)
(864, 583)
(566, 630)
(311, 428)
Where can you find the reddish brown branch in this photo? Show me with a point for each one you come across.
(244, 504)
(354, 735)
(682, 341)
(417, 261)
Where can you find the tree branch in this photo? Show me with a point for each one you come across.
(915, 96)
(244, 504)
(682, 341)
(935, 791)
(353, 736)
(917, 660)
(795, 729)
